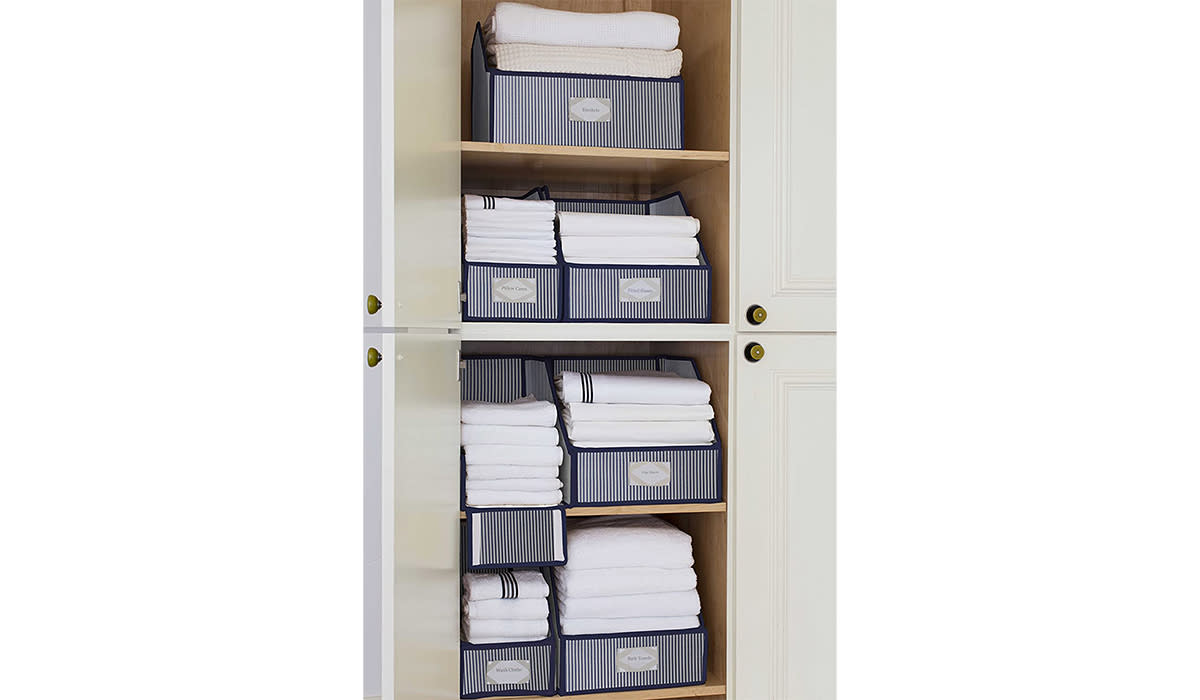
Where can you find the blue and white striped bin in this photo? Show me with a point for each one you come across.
(521, 668)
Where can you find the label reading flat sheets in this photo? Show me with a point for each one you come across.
(590, 109)
(649, 473)
(514, 290)
(634, 289)
(514, 672)
(637, 659)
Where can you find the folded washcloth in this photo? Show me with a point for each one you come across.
(493, 499)
(523, 455)
(477, 434)
(496, 631)
(627, 540)
(592, 625)
(579, 223)
(526, 410)
(633, 411)
(509, 583)
(674, 604)
(653, 432)
(512, 259)
(510, 471)
(513, 484)
(575, 387)
(518, 23)
(629, 247)
(587, 583)
(517, 609)
(482, 202)
(640, 63)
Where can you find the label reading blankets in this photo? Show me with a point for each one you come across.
(591, 109)
(649, 473)
(513, 672)
(641, 289)
(637, 659)
(514, 290)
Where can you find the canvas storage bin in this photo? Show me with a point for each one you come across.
(520, 668)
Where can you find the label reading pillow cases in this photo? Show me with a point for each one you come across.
(512, 672)
(590, 109)
(637, 289)
(637, 659)
(514, 290)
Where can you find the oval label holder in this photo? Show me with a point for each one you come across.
(514, 290)
(649, 473)
(590, 109)
(508, 672)
(637, 659)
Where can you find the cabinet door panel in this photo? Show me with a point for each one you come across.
(785, 507)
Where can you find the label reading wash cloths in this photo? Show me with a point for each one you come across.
(640, 289)
(590, 109)
(637, 659)
(514, 672)
(649, 473)
(514, 290)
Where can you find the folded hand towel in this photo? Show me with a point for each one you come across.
(552, 484)
(642, 605)
(663, 432)
(634, 540)
(518, 23)
(523, 455)
(495, 585)
(482, 202)
(617, 388)
(629, 247)
(526, 410)
(492, 499)
(635, 262)
(495, 631)
(476, 434)
(521, 609)
(588, 583)
(639, 63)
(509, 471)
(580, 223)
(511, 259)
(592, 625)
(631, 411)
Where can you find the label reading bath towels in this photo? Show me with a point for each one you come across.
(591, 109)
(641, 289)
(514, 290)
(649, 473)
(637, 659)
(514, 672)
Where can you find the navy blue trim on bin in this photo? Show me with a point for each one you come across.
(551, 679)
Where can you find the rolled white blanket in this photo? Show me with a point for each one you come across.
(580, 223)
(524, 455)
(677, 604)
(477, 434)
(526, 410)
(587, 583)
(640, 63)
(576, 387)
(633, 411)
(495, 585)
(593, 625)
(509, 471)
(629, 247)
(493, 499)
(516, 609)
(497, 631)
(659, 432)
(488, 202)
(635, 262)
(518, 23)
(513, 484)
(627, 540)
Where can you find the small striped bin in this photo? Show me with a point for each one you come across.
(568, 109)
(524, 668)
(613, 476)
(636, 293)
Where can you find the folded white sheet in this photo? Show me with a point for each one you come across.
(674, 604)
(629, 247)
(522, 455)
(592, 625)
(526, 233)
(695, 432)
(633, 262)
(575, 387)
(509, 246)
(510, 219)
(496, 631)
(552, 484)
(492, 585)
(627, 540)
(516, 609)
(477, 434)
(482, 202)
(633, 411)
(578, 223)
(511, 259)
(526, 410)
(518, 23)
(641, 63)
(509, 471)
(491, 499)
(589, 583)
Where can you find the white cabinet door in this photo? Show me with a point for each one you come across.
(784, 498)
(411, 162)
(787, 165)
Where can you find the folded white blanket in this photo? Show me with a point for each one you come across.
(552, 484)
(641, 63)
(493, 499)
(494, 585)
(627, 540)
(633, 411)
(634, 262)
(526, 410)
(510, 471)
(496, 631)
(589, 583)
(579, 223)
(482, 202)
(619, 388)
(629, 247)
(477, 434)
(511, 259)
(642, 605)
(592, 625)
(518, 23)
(654, 432)
(523, 455)
(517, 609)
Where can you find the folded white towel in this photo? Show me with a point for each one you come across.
(496, 631)
(493, 499)
(653, 432)
(517, 609)
(523, 455)
(495, 585)
(511, 259)
(510, 471)
(581, 223)
(526, 410)
(641, 63)
(539, 213)
(518, 23)
(592, 625)
(619, 388)
(552, 484)
(636, 262)
(509, 246)
(629, 247)
(588, 583)
(632, 411)
(476, 434)
(508, 233)
(482, 202)
(627, 540)
(642, 605)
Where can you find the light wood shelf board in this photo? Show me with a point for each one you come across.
(692, 691)
(597, 331)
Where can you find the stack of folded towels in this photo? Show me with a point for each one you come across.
(628, 239)
(512, 453)
(627, 574)
(523, 37)
(635, 409)
(505, 606)
(503, 230)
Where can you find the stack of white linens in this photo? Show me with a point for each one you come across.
(627, 574)
(523, 37)
(504, 230)
(505, 606)
(512, 453)
(628, 239)
(637, 409)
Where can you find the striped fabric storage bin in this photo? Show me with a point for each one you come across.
(636, 293)
(508, 292)
(567, 109)
(523, 668)
(612, 476)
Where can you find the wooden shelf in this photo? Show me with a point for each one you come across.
(587, 511)
(493, 166)
(597, 331)
(692, 691)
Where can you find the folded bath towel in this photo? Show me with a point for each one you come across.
(642, 432)
(496, 631)
(510, 583)
(629, 247)
(529, 456)
(482, 202)
(493, 499)
(635, 262)
(526, 410)
(510, 471)
(552, 484)
(575, 387)
(589, 583)
(616, 625)
(675, 604)
(627, 540)
(580, 223)
(518, 23)
(633, 411)
(517, 609)
(476, 434)
(640, 63)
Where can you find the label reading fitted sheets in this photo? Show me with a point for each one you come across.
(635, 289)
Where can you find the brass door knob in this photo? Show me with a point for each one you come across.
(373, 304)
(756, 314)
(755, 352)
(373, 357)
